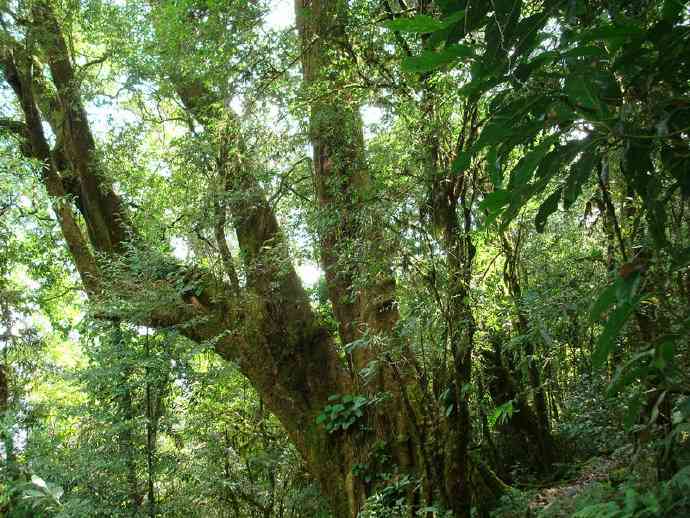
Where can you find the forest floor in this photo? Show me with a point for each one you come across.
(597, 469)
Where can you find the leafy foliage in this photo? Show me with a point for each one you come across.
(486, 202)
(344, 412)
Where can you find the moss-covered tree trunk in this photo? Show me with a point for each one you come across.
(266, 326)
(363, 297)
(451, 195)
(269, 329)
(540, 429)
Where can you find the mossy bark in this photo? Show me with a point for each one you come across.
(535, 423)
(363, 299)
(268, 326)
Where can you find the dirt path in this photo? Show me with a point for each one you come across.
(594, 470)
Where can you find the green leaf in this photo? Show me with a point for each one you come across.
(684, 408)
(582, 93)
(678, 165)
(423, 23)
(604, 301)
(495, 201)
(579, 174)
(626, 287)
(585, 51)
(611, 32)
(417, 24)
(636, 368)
(525, 168)
(633, 412)
(665, 352)
(493, 165)
(547, 208)
(428, 61)
(360, 401)
(461, 163)
(493, 133)
(672, 9)
(612, 329)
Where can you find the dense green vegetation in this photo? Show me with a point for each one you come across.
(356, 258)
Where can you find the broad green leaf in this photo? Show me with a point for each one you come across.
(524, 170)
(496, 200)
(636, 368)
(611, 32)
(461, 163)
(612, 329)
(547, 208)
(423, 23)
(429, 60)
(498, 34)
(677, 164)
(672, 9)
(520, 197)
(527, 33)
(656, 216)
(627, 287)
(417, 24)
(665, 351)
(604, 301)
(473, 17)
(525, 70)
(684, 408)
(579, 174)
(633, 412)
(493, 165)
(493, 133)
(585, 51)
(582, 93)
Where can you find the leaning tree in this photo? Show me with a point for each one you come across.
(255, 311)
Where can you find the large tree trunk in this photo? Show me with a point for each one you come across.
(363, 298)
(269, 329)
(267, 325)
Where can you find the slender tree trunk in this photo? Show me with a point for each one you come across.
(151, 430)
(544, 439)
(450, 205)
(125, 437)
(7, 438)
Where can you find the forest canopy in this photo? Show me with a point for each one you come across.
(386, 258)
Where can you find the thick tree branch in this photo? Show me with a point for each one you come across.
(103, 212)
(36, 147)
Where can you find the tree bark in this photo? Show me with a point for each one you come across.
(363, 299)
(451, 197)
(543, 437)
(269, 329)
